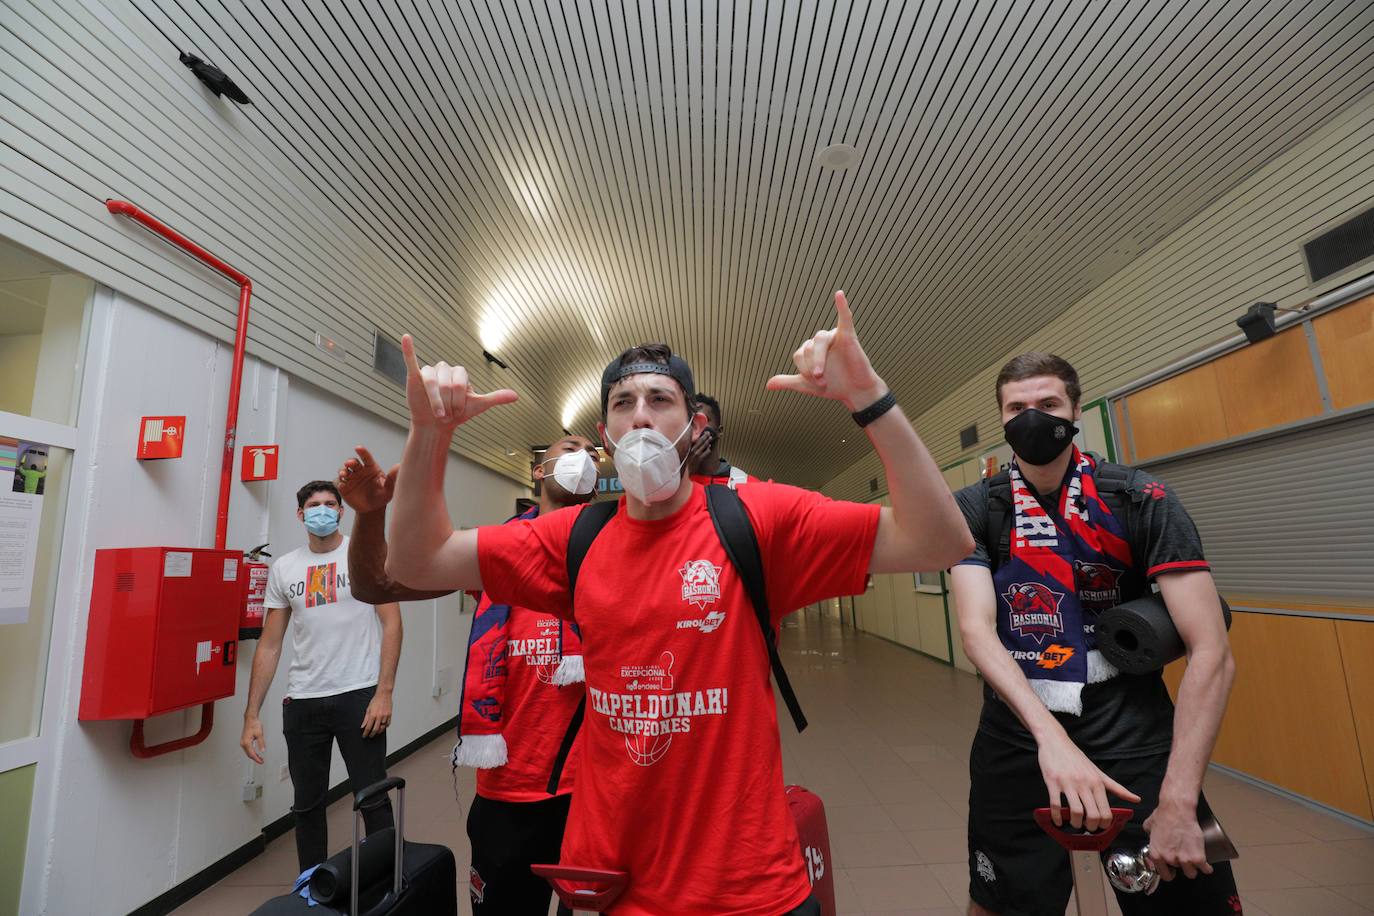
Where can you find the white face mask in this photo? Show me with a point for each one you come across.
(575, 472)
(647, 463)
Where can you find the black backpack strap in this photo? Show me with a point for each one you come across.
(565, 748)
(998, 533)
(1114, 486)
(589, 523)
(736, 534)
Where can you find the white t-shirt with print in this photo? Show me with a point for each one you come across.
(336, 639)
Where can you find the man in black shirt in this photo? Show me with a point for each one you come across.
(1060, 726)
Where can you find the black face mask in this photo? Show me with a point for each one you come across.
(1038, 437)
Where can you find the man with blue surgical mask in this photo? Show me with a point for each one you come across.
(343, 671)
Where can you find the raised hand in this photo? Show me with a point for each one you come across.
(440, 397)
(364, 486)
(833, 365)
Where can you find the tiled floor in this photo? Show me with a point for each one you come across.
(887, 750)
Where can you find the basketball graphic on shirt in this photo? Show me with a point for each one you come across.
(647, 750)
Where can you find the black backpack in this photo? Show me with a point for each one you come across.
(1113, 485)
(736, 535)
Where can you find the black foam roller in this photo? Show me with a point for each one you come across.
(1139, 636)
(376, 858)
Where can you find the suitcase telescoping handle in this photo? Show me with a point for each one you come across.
(366, 795)
(564, 879)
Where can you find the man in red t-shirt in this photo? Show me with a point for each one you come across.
(704, 459)
(521, 686)
(680, 776)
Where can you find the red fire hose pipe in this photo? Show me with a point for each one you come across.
(231, 419)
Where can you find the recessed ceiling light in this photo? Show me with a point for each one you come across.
(839, 156)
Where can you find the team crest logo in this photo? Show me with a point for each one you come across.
(984, 865)
(1035, 611)
(494, 665)
(700, 583)
(476, 886)
(1098, 585)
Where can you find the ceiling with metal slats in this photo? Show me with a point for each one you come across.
(563, 179)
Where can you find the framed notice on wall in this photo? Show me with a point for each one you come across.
(23, 478)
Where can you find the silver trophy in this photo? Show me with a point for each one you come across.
(1132, 874)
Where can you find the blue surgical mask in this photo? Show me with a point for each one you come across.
(321, 521)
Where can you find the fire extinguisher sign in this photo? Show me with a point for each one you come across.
(259, 462)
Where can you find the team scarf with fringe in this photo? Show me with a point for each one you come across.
(483, 715)
(1042, 620)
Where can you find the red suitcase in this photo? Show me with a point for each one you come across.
(809, 814)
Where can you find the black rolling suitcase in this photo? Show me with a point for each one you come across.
(421, 881)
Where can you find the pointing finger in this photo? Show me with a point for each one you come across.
(477, 403)
(845, 318)
(408, 351)
(790, 383)
(366, 456)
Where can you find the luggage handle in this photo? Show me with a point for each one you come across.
(372, 791)
(577, 898)
(1082, 842)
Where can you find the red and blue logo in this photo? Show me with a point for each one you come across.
(1035, 611)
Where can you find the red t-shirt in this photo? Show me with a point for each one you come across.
(538, 711)
(680, 779)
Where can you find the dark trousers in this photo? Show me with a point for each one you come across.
(311, 727)
(507, 838)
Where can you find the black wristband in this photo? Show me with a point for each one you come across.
(875, 410)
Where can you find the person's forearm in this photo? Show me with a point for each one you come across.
(392, 633)
(421, 524)
(1202, 696)
(264, 669)
(923, 508)
(367, 564)
(1005, 676)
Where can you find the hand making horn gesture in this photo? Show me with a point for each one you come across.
(833, 365)
(440, 397)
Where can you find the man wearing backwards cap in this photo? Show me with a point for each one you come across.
(680, 776)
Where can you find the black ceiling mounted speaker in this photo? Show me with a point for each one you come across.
(1342, 247)
(1258, 322)
(968, 436)
(215, 79)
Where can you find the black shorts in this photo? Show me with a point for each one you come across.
(1016, 869)
(507, 838)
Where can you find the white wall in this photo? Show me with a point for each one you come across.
(121, 831)
(18, 368)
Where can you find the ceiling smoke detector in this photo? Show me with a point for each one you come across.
(839, 156)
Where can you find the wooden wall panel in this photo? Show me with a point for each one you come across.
(1127, 455)
(1267, 384)
(1290, 682)
(1177, 413)
(1345, 338)
(1356, 640)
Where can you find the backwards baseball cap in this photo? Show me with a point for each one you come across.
(675, 368)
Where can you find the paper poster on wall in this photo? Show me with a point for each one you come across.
(23, 475)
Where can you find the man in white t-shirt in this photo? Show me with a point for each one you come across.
(343, 670)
